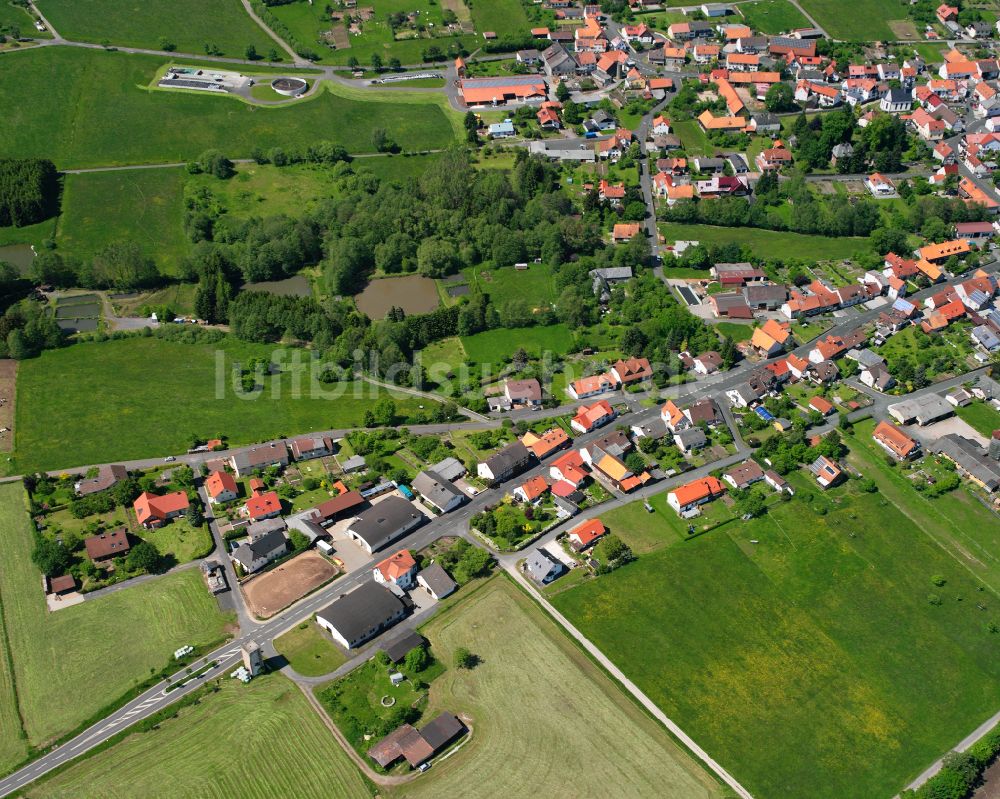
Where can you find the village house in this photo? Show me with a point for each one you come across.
(436, 582)
(686, 498)
(105, 546)
(591, 417)
(384, 522)
(262, 505)
(106, 477)
(826, 471)
(399, 569)
(743, 475)
(361, 615)
(255, 555)
(152, 510)
(256, 459)
(585, 534)
(221, 487)
(895, 441)
(437, 491)
(505, 464)
(310, 447)
(591, 386)
(527, 393)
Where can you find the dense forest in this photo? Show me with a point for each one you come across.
(29, 191)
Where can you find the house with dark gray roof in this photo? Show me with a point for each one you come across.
(437, 491)
(361, 615)
(254, 556)
(435, 581)
(542, 567)
(450, 469)
(690, 439)
(971, 460)
(505, 464)
(385, 522)
(258, 458)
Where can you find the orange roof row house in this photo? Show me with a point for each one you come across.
(548, 442)
(695, 493)
(894, 440)
(939, 253)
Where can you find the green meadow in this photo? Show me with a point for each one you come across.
(118, 119)
(811, 651)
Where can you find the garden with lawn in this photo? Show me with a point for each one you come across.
(868, 20)
(54, 654)
(809, 645)
(154, 126)
(773, 16)
(313, 30)
(366, 705)
(498, 345)
(982, 416)
(309, 650)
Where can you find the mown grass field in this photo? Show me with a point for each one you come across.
(543, 715)
(773, 16)
(866, 22)
(956, 520)
(308, 651)
(493, 346)
(205, 750)
(72, 663)
(769, 243)
(443, 356)
(108, 408)
(984, 418)
(140, 205)
(188, 24)
(119, 120)
(820, 639)
(534, 285)
(503, 17)
(267, 190)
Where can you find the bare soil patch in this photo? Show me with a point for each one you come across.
(339, 36)
(903, 28)
(8, 383)
(277, 589)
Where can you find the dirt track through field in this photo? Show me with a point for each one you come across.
(292, 580)
(8, 385)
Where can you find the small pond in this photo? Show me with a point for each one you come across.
(415, 294)
(295, 286)
(18, 255)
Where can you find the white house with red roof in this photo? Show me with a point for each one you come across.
(593, 416)
(399, 569)
(585, 534)
(591, 386)
(221, 487)
(569, 468)
(153, 510)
